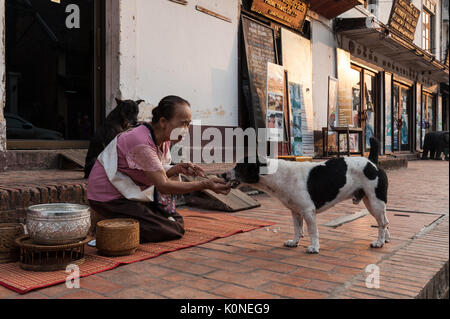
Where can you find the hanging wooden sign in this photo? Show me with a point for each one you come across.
(288, 12)
(404, 18)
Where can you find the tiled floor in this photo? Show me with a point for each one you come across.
(256, 265)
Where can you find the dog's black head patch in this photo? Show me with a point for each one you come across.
(246, 171)
(128, 111)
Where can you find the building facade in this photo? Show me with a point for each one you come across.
(377, 66)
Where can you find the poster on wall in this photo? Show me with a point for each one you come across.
(405, 123)
(275, 102)
(388, 112)
(332, 103)
(296, 109)
(418, 115)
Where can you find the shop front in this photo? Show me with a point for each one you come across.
(287, 39)
(393, 85)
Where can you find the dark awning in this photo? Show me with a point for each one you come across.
(381, 39)
(332, 8)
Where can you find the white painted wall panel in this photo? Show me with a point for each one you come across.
(297, 59)
(182, 51)
(324, 65)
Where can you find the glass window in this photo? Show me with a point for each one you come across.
(427, 30)
(50, 67)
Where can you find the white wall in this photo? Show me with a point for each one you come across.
(324, 65)
(172, 49)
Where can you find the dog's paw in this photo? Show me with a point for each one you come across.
(376, 244)
(387, 237)
(291, 244)
(313, 250)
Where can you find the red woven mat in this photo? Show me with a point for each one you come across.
(200, 228)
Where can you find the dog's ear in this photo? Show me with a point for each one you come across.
(118, 101)
(139, 102)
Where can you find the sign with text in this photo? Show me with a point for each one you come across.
(404, 18)
(288, 12)
(260, 49)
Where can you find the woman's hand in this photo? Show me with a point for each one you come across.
(217, 185)
(190, 169)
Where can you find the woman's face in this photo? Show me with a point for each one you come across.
(181, 121)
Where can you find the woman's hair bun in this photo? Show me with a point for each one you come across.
(166, 108)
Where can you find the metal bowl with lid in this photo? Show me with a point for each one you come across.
(58, 224)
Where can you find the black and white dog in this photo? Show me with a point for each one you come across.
(308, 189)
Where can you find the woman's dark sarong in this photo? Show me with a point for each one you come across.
(155, 225)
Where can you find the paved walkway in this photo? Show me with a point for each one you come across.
(256, 265)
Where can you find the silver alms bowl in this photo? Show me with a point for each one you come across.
(58, 224)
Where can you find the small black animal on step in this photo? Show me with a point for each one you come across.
(435, 143)
(122, 118)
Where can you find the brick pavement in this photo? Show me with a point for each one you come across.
(256, 265)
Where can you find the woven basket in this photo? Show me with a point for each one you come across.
(9, 252)
(117, 237)
(42, 258)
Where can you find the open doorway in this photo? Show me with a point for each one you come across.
(54, 67)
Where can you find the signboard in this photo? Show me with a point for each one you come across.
(288, 12)
(345, 90)
(260, 49)
(404, 18)
(275, 102)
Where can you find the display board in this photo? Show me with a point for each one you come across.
(275, 102)
(259, 41)
(404, 17)
(288, 12)
(297, 60)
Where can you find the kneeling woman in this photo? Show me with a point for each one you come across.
(131, 177)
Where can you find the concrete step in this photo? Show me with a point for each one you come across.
(28, 160)
(21, 189)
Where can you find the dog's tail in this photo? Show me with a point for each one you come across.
(374, 150)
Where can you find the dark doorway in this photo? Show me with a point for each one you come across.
(53, 69)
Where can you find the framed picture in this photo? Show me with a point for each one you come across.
(332, 102)
(275, 102)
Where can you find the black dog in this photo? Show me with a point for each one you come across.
(122, 118)
(435, 143)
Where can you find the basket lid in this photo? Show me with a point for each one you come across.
(117, 223)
